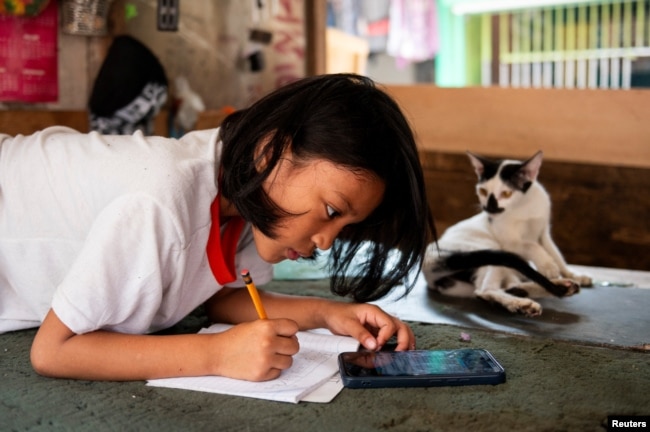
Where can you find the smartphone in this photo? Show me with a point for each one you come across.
(420, 368)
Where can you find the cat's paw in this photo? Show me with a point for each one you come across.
(582, 280)
(568, 287)
(523, 306)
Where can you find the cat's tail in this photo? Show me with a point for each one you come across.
(459, 261)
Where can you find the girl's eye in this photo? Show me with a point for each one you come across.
(332, 212)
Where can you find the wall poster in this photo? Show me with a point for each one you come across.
(28, 57)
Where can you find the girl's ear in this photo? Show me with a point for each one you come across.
(262, 154)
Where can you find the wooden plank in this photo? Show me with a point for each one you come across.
(14, 122)
(26, 122)
(583, 126)
(315, 27)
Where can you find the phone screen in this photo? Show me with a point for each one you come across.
(414, 363)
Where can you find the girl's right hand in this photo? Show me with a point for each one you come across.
(255, 351)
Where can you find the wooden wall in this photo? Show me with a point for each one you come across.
(596, 167)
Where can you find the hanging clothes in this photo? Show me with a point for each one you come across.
(374, 13)
(413, 31)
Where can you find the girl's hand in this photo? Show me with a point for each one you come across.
(256, 351)
(368, 324)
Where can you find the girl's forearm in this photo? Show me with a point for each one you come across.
(256, 351)
(102, 355)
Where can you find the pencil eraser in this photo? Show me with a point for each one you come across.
(244, 272)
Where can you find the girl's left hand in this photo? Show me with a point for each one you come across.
(368, 324)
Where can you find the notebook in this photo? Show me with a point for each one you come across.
(312, 377)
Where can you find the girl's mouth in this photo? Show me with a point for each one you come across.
(292, 254)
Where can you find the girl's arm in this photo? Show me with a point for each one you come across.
(369, 324)
(254, 351)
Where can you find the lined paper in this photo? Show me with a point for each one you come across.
(312, 367)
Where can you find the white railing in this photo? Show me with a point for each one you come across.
(584, 46)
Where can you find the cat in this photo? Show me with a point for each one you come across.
(489, 254)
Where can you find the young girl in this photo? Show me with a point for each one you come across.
(106, 239)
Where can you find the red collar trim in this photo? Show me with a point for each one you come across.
(221, 249)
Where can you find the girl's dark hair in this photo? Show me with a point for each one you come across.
(345, 119)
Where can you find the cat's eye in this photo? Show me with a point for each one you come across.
(506, 194)
(483, 192)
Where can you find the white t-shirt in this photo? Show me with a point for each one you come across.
(109, 231)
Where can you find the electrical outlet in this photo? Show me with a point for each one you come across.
(168, 14)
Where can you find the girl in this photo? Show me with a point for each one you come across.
(106, 239)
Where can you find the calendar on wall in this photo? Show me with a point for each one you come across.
(28, 57)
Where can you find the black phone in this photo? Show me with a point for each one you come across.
(420, 368)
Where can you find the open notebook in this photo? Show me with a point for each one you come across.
(313, 377)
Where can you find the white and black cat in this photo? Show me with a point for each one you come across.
(489, 254)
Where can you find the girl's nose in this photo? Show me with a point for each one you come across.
(325, 237)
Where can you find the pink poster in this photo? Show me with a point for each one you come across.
(28, 57)
(289, 42)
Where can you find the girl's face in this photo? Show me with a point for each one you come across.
(324, 196)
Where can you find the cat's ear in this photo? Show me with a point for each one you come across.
(477, 163)
(530, 168)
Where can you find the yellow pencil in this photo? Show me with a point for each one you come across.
(255, 296)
